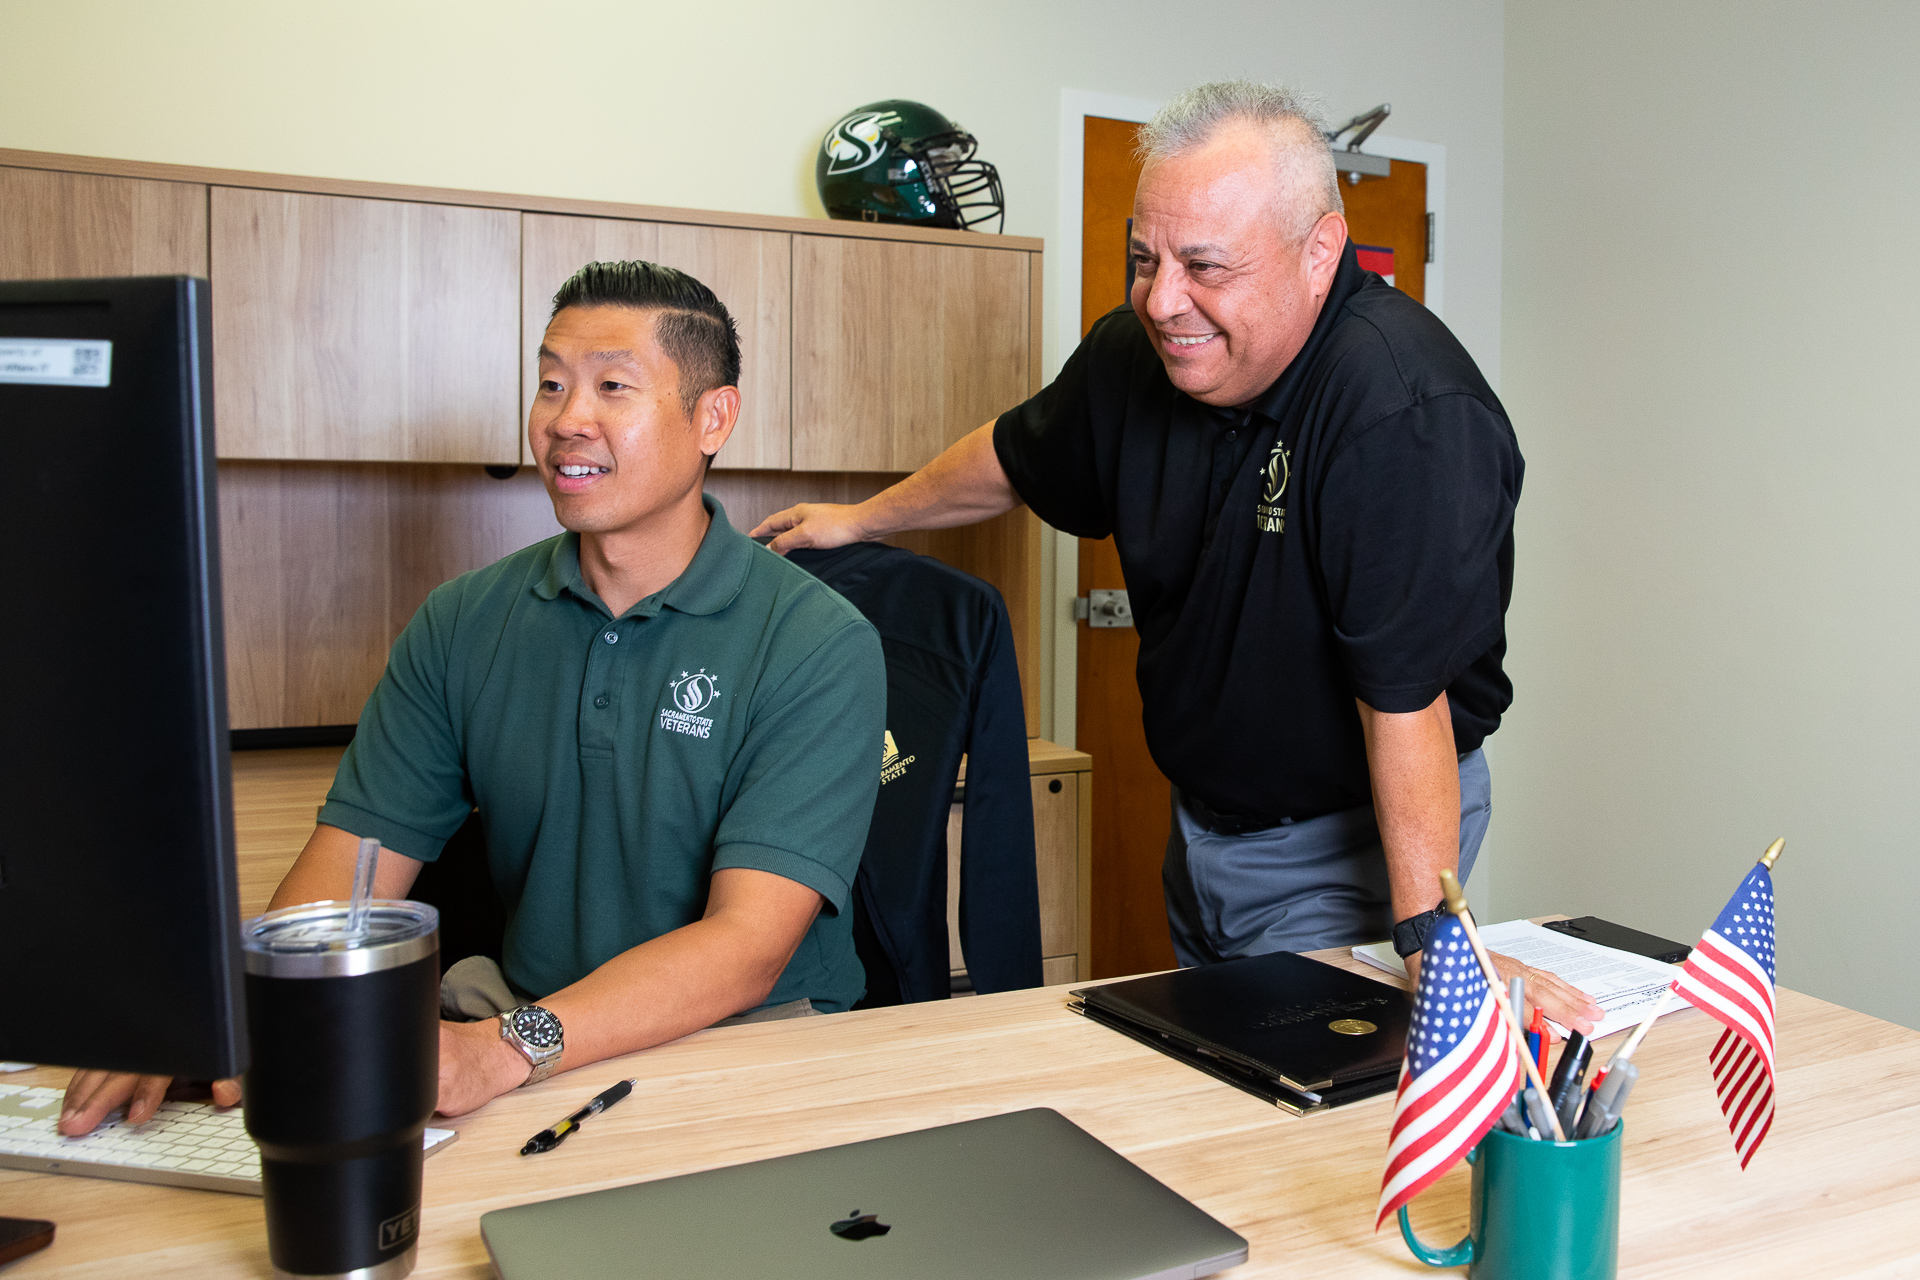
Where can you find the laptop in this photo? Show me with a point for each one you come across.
(1294, 1032)
(1024, 1195)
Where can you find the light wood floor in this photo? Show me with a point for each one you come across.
(275, 797)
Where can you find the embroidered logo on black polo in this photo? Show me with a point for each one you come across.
(690, 694)
(1268, 515)
(892, 763)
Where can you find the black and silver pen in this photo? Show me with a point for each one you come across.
(548, 1139)
(1563, 1091)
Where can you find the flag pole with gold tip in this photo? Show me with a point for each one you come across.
(1457, 903)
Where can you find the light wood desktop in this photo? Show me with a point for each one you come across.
(1830, 1193)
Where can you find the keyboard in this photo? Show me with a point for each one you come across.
(186, 1144)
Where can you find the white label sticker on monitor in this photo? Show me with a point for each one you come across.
(61, 362)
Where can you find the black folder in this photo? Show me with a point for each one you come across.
(1294, 1032)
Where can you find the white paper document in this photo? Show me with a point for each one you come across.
(1627, 986)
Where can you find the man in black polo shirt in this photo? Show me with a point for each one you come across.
(1311, 489)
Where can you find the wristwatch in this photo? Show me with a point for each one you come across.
(537, 1034)
(1411, 934)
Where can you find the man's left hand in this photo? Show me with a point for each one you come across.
(1559, 999)
(476, 1066)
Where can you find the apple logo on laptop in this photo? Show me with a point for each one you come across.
(859, 1226)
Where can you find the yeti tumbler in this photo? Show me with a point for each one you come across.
(345, 1035)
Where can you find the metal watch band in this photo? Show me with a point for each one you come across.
(1411, 934)
(541, 1060)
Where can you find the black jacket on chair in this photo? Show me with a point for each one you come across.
(952, 688)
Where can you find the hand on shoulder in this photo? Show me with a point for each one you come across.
(819, 525)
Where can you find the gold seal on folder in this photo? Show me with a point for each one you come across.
(1351, 1027)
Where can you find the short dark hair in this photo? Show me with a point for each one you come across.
(693, 328)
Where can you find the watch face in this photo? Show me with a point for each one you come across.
(537, 1027)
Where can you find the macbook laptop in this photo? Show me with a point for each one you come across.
(1298, 1033)
(1024, 1195)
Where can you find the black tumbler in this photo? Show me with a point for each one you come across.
(345, 1035)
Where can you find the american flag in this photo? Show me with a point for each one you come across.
(1730, 975)
(1461, 1070)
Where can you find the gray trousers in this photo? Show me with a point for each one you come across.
(1298, 886)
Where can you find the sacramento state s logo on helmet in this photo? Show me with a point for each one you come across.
(1268, 515)
(853, 143)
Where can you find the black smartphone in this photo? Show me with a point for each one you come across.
(1621, 938)
(22, 1236)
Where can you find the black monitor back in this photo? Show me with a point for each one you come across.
(119, 928)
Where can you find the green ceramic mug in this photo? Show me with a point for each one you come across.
(1540, 1211)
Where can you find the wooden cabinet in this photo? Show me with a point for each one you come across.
(68, 225)
(359, 326)
(361, 330)
(751, 271)
(1062, 782)
(901, 349)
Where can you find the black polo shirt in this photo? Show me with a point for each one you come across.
(1348, 534)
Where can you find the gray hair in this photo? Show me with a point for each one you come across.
(1293, 119)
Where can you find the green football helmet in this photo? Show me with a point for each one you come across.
(901, 161)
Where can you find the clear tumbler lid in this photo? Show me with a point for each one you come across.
(314, 939)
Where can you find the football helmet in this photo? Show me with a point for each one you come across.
(901, 161)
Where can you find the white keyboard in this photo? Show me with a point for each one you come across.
(186, 1144)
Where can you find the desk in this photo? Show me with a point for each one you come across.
(1832, 1192)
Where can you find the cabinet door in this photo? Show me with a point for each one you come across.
(1056, 847)
(751, 271)
(76, 225)
(364, 330)
(900, 349)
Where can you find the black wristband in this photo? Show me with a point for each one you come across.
(1411, 934)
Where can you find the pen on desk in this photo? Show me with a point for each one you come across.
(548, 1139)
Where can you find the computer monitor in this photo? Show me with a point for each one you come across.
(119, 914)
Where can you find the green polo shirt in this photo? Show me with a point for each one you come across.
(733, 719)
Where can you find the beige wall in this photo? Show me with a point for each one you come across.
(1710, 328)
(719, 105)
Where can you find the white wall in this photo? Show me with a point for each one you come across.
(718, 105)
(1712, 305)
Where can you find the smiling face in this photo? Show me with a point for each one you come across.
(1223, 283)
(616, 445)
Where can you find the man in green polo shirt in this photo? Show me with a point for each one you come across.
(671, 734)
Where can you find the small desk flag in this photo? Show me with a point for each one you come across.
(1730, 976)
(1462, 1069)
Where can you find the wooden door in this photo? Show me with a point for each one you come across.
(751, 271)
(76, 225)
(1132, 803)
(364, 330)
(900, 349)
(1391, 212)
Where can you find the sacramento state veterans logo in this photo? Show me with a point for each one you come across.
(690, 694)
(854, 143)
(1268, 515)
(892, 763)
